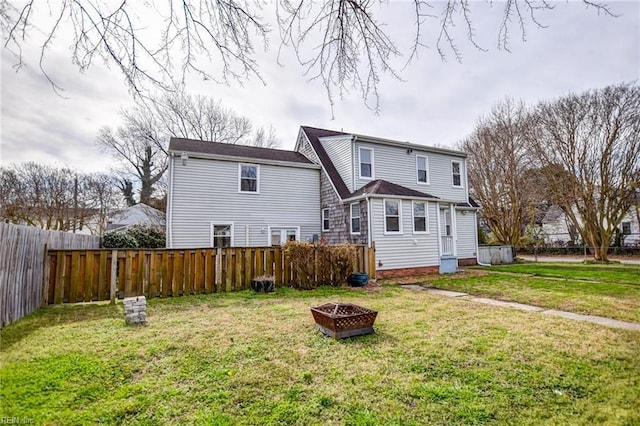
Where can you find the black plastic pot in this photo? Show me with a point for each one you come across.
(359, 279)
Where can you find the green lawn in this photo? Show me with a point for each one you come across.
(611, 291)
(611, 273)
(244, 359)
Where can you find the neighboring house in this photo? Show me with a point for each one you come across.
(557, 228)
(139, 214)
(409, 201)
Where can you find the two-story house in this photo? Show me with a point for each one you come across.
(409, 201)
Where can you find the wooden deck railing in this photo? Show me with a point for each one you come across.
(94, 275)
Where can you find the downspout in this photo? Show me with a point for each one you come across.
(369, 230)
(353, 163)
(454, 229)
(439, 232)
(169, 227)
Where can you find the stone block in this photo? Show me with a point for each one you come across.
(135, 310)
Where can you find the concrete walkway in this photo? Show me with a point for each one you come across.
(608, 322)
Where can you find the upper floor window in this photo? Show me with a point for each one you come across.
(391, 216)
(422, 169)
(456, 174)
(419, 217)
(249, 178)
(366, 163)
(355, 218)
(325, 219)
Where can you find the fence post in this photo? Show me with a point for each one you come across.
(46, 271)
(114, 275)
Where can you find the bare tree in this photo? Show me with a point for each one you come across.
(341, 42)
(56, 198)
(500, 171)
(140, 143)
(588, 147)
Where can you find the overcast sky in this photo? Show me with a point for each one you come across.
(436, 104)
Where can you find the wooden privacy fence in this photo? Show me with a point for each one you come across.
(22, 255)
(94, 275)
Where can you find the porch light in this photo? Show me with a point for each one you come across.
(184, 157)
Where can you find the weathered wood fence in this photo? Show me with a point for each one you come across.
(22, 256)
(94, 275)
(495, 255)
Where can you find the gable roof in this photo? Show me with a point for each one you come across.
(383, 187)
(313, 134)
(138, 214)
(192, 146)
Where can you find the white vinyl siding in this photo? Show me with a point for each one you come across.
(339, 150)
(206, 191)
(466, 234)
(395, 164)
(422, 169)
(366, 168)
(406, 250)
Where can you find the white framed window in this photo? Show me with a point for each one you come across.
(625, 228)
(355, 218)
(249, 178)
(279, 236)
(325, 219)
(366, 163)
(221, 235)
(456, 174)
(420, 217)
(422, 169)
(392, 217)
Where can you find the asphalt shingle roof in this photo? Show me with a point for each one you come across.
(252, 152)
(383, 187)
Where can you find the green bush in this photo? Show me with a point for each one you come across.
(148, 236)
(137, 236)
(118, 240)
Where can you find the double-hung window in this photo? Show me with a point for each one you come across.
(419, 217)
(366, 163)
(392, 216)
(221, 235)
(456, 174)
(249, 176)
(625, 227)
(355, 218)
(325, 219)
(422, 169)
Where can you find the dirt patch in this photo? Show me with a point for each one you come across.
(425, 278)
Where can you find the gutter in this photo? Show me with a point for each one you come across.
(253, 160)
(169, 226)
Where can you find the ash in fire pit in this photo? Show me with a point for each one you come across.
(340, 320)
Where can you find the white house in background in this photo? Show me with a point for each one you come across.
(557, 229)
(409, 201)
(139, 214)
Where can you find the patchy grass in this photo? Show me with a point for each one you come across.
(608, 273)
(247, 359)
(616, 295)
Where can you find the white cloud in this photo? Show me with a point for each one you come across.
(437, 104)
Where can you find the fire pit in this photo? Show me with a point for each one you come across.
(340, 320)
